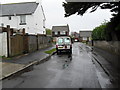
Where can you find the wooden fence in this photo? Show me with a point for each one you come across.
(21, 43)
(17, 46)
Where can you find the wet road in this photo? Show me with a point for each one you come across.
(64, 71)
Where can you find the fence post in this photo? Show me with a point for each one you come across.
(23, 34)
(37, 42)
(23, 31)
(8, 40)
(11, 32)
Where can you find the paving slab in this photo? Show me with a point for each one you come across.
(9, 68)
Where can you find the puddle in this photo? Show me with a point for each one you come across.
(67, 61)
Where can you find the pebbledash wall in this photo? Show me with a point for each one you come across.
(110, 50)
(3, 44)
(110, 46)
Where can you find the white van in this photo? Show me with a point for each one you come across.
(63, 44)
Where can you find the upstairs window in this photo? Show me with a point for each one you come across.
(2, 24)
(9, 17)
(56, 33)
(62, 32)
(23, 20)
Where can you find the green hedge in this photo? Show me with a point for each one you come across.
(99, 33)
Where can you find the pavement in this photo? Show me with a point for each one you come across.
(103, 58)
(14, 65)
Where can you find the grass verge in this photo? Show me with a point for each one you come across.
(50, 51)
(3, 57)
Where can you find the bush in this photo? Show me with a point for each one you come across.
(99, 33)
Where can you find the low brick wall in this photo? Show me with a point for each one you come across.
(110, 46)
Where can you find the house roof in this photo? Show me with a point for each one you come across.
(85, 33)
(60, 28)
(18, 8)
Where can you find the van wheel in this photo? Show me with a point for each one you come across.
(57, 52)
(70, 50)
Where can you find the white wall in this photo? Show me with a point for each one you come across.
(3, 44)
(29, 27)
(39, 19)
(13, 22)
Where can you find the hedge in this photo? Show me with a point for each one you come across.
(99, 33)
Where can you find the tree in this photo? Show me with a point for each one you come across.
(99, 32)
(48, 32)
(81, 7)
(112, 30)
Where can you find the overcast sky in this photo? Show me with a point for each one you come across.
(54, 13)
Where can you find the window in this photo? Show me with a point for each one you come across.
(9, 17)
(23, 20)
(2, 24)
(84, 38)
(62, 32)
(56, 33)
(67, 40)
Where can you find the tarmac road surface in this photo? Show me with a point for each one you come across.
(77, 70)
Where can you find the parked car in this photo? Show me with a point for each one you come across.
(76, 40)
(63, 44)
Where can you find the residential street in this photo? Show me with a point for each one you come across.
(34, 35)
(78, 70)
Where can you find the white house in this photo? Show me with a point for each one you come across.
(28, 15)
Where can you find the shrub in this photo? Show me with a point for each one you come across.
(99, 32)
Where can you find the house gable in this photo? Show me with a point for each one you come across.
(85, 33)
(28, 15)
(60, 31)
